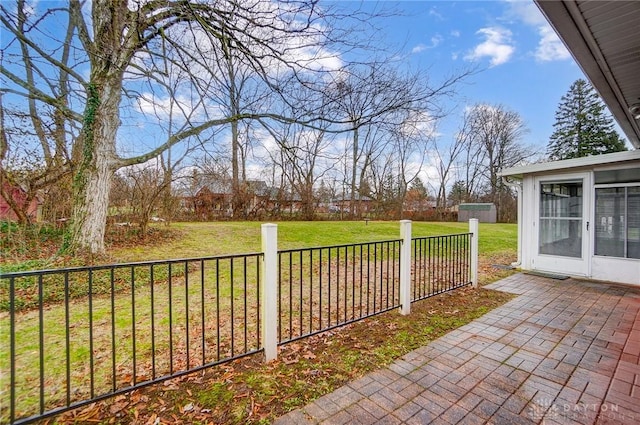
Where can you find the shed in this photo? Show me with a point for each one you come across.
(484, 212)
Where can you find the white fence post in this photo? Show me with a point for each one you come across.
(473, 229)
(269, 288)
(405, 267)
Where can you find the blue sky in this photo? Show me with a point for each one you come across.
(520, 61)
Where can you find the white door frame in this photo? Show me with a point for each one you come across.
(557, 263)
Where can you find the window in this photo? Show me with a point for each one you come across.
(618, 222)
(561, 218)
(622, 175)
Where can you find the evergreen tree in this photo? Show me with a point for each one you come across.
(583, 127)
(459, 193)
(418, 186)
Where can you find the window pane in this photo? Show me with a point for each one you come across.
(610, 222)
(624, 175)
(561, 237)
(633, 222)
(561, 219)
(561, 199)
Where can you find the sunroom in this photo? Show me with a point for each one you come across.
(580, 217)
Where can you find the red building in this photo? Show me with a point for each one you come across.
(20, 198)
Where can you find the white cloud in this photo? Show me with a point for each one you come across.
(480, 107)
(419, 48)
(455, 33)
(435, 42)
(30, 9)
(306, 51)
(178, 108)
(429, 172)
(525, 11)
(433, 12)
(550, 47)
(420, 124)
(497, 46)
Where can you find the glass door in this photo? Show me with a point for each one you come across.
(563, 225)
(561, 218)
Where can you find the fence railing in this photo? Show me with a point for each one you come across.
(120, 327)
(74, 336)
(440, 264)
(323, 288)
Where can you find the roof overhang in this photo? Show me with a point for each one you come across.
(617, 158)
(604, 39)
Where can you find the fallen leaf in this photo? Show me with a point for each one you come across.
(117, 407)
(289, 361)
(294, 347)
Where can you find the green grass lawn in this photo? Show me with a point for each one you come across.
(192, 240)
(220, 238)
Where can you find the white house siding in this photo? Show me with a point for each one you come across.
(606, 268)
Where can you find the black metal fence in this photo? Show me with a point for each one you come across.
(73, 336)
(323, 288)
(440, 264)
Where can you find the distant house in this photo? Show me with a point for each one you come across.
(277, 200)
(19, 196)
(418, 205)
(271, 200)
(213, 201)
(363, 204)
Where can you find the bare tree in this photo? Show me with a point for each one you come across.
(410, 143)
(386, 186)
(112, 51)
(497, 132)
(240, 90)
(378, 94)
(417, 197)
(33, 159)
(446, 158)
(304, 159)
(212, 174)
(145, 189)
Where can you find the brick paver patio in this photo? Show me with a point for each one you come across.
(562, 352)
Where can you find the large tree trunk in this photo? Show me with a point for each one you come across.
(109, 56)
(307, 198)
(92, 182)
(91, 204)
